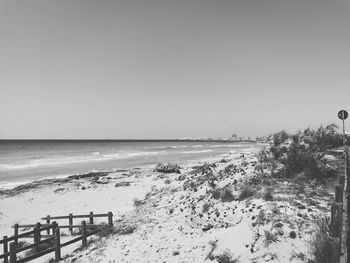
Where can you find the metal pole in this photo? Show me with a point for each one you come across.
(344, 132)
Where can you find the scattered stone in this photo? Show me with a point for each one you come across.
(292, 234)
(92, 174)
(278, 225)
(207, 227)
(267, 257)
(168, 168)
(302, 207)
(59, 190)
(122, 184)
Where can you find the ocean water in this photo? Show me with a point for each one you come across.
(23, 161)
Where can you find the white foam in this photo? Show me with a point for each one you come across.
(72, 160)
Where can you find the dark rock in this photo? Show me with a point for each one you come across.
(278, 225)
(88, 175)
(59, 190)
(168, 168)
(292, 234)
(122, 184)
(207, 227)
(175, 253)
(302, 207)
(182, 177)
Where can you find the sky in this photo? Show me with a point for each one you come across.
(72, 69)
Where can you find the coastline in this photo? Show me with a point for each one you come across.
(169, 224)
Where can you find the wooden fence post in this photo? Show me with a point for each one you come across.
(36, 237)
(342, 180)
(5, 249)
(16, 233)
(71, 223)
(110, 219)
(335, 255)
(83, 228)
(48, 222)
(336, 219)
(348, 246)
(338, 193)
(57, 243)
(13, 256)
(91, 222)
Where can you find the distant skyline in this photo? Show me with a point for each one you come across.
(171, 69)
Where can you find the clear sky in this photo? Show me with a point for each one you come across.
(169, 69)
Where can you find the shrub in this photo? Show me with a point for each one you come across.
(323, 246)
(21, 244)
(299, 255)
(216, 193)
(105, 231)
(267, 196)
(226, 257)
(138, 203)
(206, 207)
(301, 152)
(246, 192)
(126, 229)
(41, 247)
(212, 184)
(270, 238)
(226, 195)
(167, 181)
(299, 160)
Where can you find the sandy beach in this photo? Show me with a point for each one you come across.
(177, 218)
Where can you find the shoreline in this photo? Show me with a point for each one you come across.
(100, 163)
(10, 188)
(168, 221)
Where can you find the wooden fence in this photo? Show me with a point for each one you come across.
(340, 209)
(52, 241)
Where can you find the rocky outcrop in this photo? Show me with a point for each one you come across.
(168, 168)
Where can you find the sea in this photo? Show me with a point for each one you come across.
(23, 161)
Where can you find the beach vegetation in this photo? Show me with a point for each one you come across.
(300, 153)
(267, 196)
(230, 169)
(213, 245)
(246, 191)
(137, 202)
(299, 255)
(22, 243)
(216, 193)
(324, 247)
(226, 257)
(167, 181)
(125, 229)
(270, 238)
(226, 195)
(41, 247)
(205, 207)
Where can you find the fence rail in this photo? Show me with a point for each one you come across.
(12, 249)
